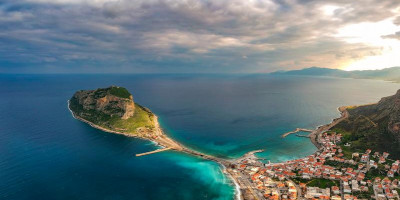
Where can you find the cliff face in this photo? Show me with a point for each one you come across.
(375, 126)
(113, 109)
(107, 101)
(389, 107)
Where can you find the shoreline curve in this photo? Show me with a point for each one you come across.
(222, 162)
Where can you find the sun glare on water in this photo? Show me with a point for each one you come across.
(372, 34)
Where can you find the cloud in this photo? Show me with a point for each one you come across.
(392, 36)
(397, 21)
(184, 35)
(87, 2)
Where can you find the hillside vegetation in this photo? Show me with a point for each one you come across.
(120, 92)
(112, 108)
(376, 127)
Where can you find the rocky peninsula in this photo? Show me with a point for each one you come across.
(113, 110)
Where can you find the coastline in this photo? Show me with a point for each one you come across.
(313, 136)
(176, 146)
(344, 114)
(238, 182)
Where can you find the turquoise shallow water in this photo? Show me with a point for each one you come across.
(46, 154)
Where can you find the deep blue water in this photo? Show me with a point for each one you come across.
(46, 154)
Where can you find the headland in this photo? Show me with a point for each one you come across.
(90, 103)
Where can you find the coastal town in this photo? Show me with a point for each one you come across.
(326, 174)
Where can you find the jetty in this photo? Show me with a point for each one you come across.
(314, 133)
(296, 131)
(155, 151)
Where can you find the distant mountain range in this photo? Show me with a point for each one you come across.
(388, 74)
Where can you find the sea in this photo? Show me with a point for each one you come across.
(47, 154)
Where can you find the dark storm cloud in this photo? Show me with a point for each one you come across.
(181, 35)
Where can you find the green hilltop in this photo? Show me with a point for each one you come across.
(120, 92)
(112, 108)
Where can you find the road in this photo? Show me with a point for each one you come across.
(297, 188)
(244, 180)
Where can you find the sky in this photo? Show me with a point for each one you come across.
(197, 36)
